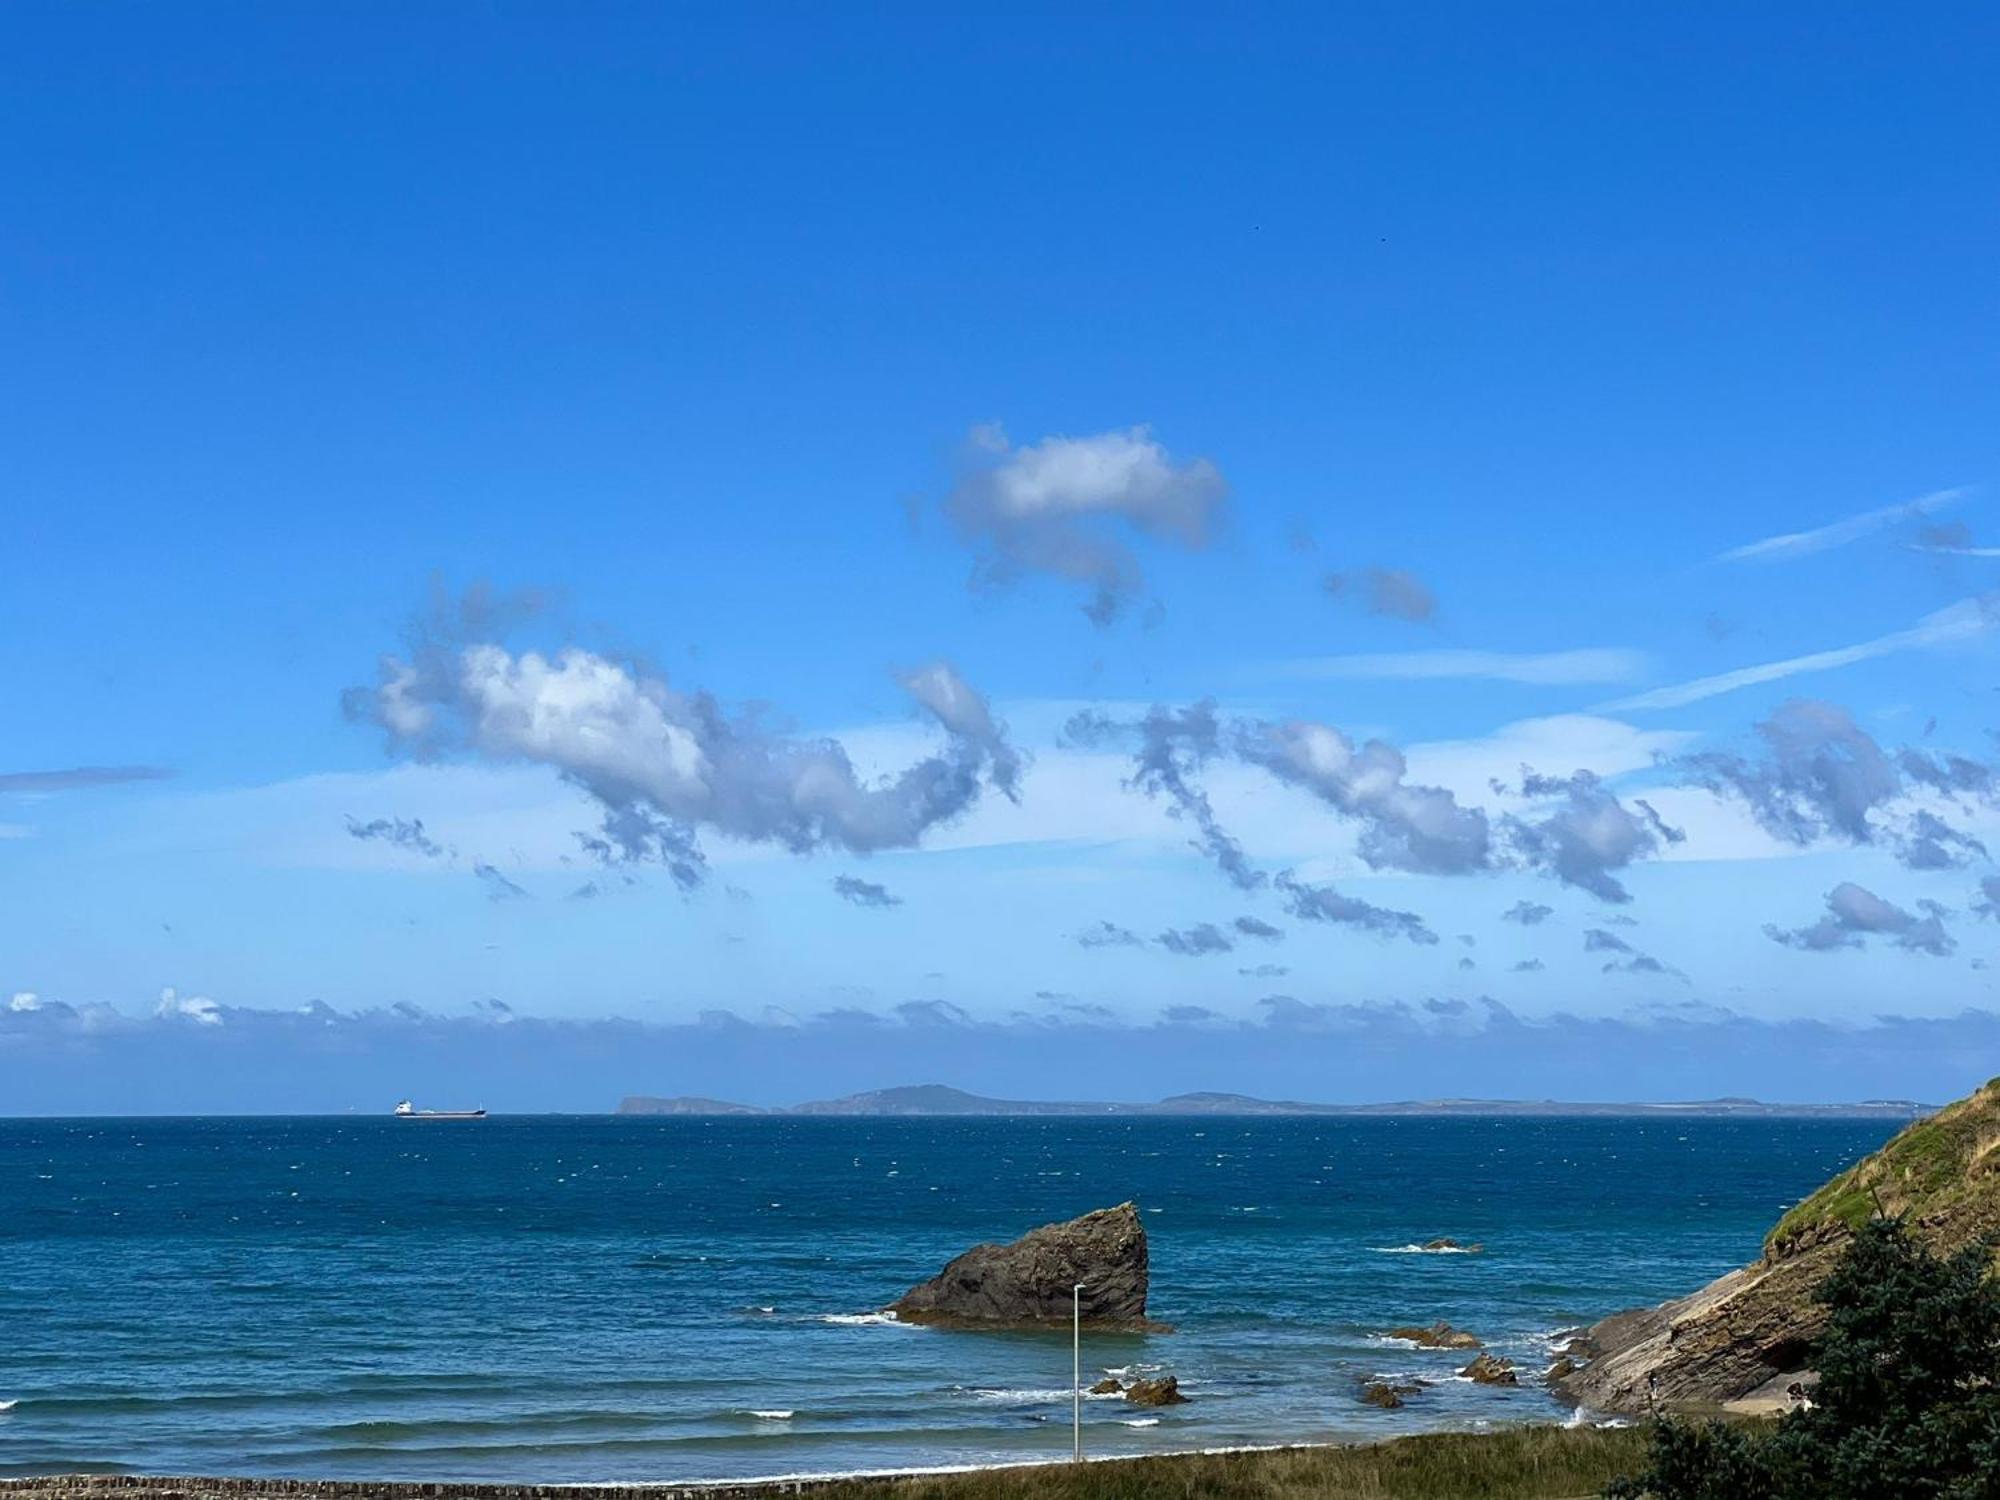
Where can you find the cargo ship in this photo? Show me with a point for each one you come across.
(408, 1111)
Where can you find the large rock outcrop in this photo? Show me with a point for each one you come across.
(1027, 1283)
(1748, 1335)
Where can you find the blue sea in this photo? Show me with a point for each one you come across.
(602, 1298)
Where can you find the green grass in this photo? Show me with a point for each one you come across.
(1521, 1463)
(1925, 1167)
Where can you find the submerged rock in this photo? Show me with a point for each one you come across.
(1027, 1283)
(1439, 1335)
(1444, 1246)
(1165, 1391)
(1488, 1370)
(1106, 1387)
(1388, 1394)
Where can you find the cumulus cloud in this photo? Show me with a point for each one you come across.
(1070, 506)
(1529, 966)
(403, 833)
(1385, 591)
(1257, 927)
(1643, 963)
(76, 778)
(1528, 913)
(1823, 776)
(864, 892)
(1109, 935)
(1404, 826)
(196, 1009)
(965, 713)
(1265, 971)
(1588, 833)
(1628, 960)
(1581, 835)
(664, 764)
(1854, 914)
(1322, 903)
(1195, 942)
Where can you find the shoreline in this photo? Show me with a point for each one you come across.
(77, 1486)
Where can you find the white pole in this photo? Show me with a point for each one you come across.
(1076, 1373)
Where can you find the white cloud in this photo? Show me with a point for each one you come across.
(1536, 668)
(1057, 506)
(196, 1008)
(1963, 621)
(1839, 533)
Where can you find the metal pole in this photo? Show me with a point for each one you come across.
(1076, 1373)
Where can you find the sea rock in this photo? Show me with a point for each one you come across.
(1027, 1283)
(1562, 1369)
(1487, 1370)
(1164, 1391)
(1754, 1329)
(1389, 1394)
(1442, 1246)
(1106, 1387)
(1440, 1335)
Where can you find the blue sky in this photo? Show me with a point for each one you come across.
(959, 390)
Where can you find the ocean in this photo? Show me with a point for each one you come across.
(598, 1298)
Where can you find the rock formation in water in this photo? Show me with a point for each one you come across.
(1489, 1370)
(1439, 1335)
(1165, 1391)
(1027, 1283)
(1749, 1335)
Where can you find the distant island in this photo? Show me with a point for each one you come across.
(939, 1099)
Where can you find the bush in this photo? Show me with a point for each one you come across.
(1908, 1402)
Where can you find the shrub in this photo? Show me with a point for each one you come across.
(1908, 1402)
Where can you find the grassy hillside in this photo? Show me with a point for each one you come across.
(1943, 1172)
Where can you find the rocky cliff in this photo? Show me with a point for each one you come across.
(1028, 1282)
(1750, 1334)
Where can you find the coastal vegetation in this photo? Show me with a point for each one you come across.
(1907, 1401)
(1519, 1463)
(1747, 1337)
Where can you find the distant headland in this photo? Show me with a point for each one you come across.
(939, 1099)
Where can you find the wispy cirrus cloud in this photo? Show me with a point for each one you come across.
(77, 778)
(1839, 533)
(1589, 666)
(1966, 620)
